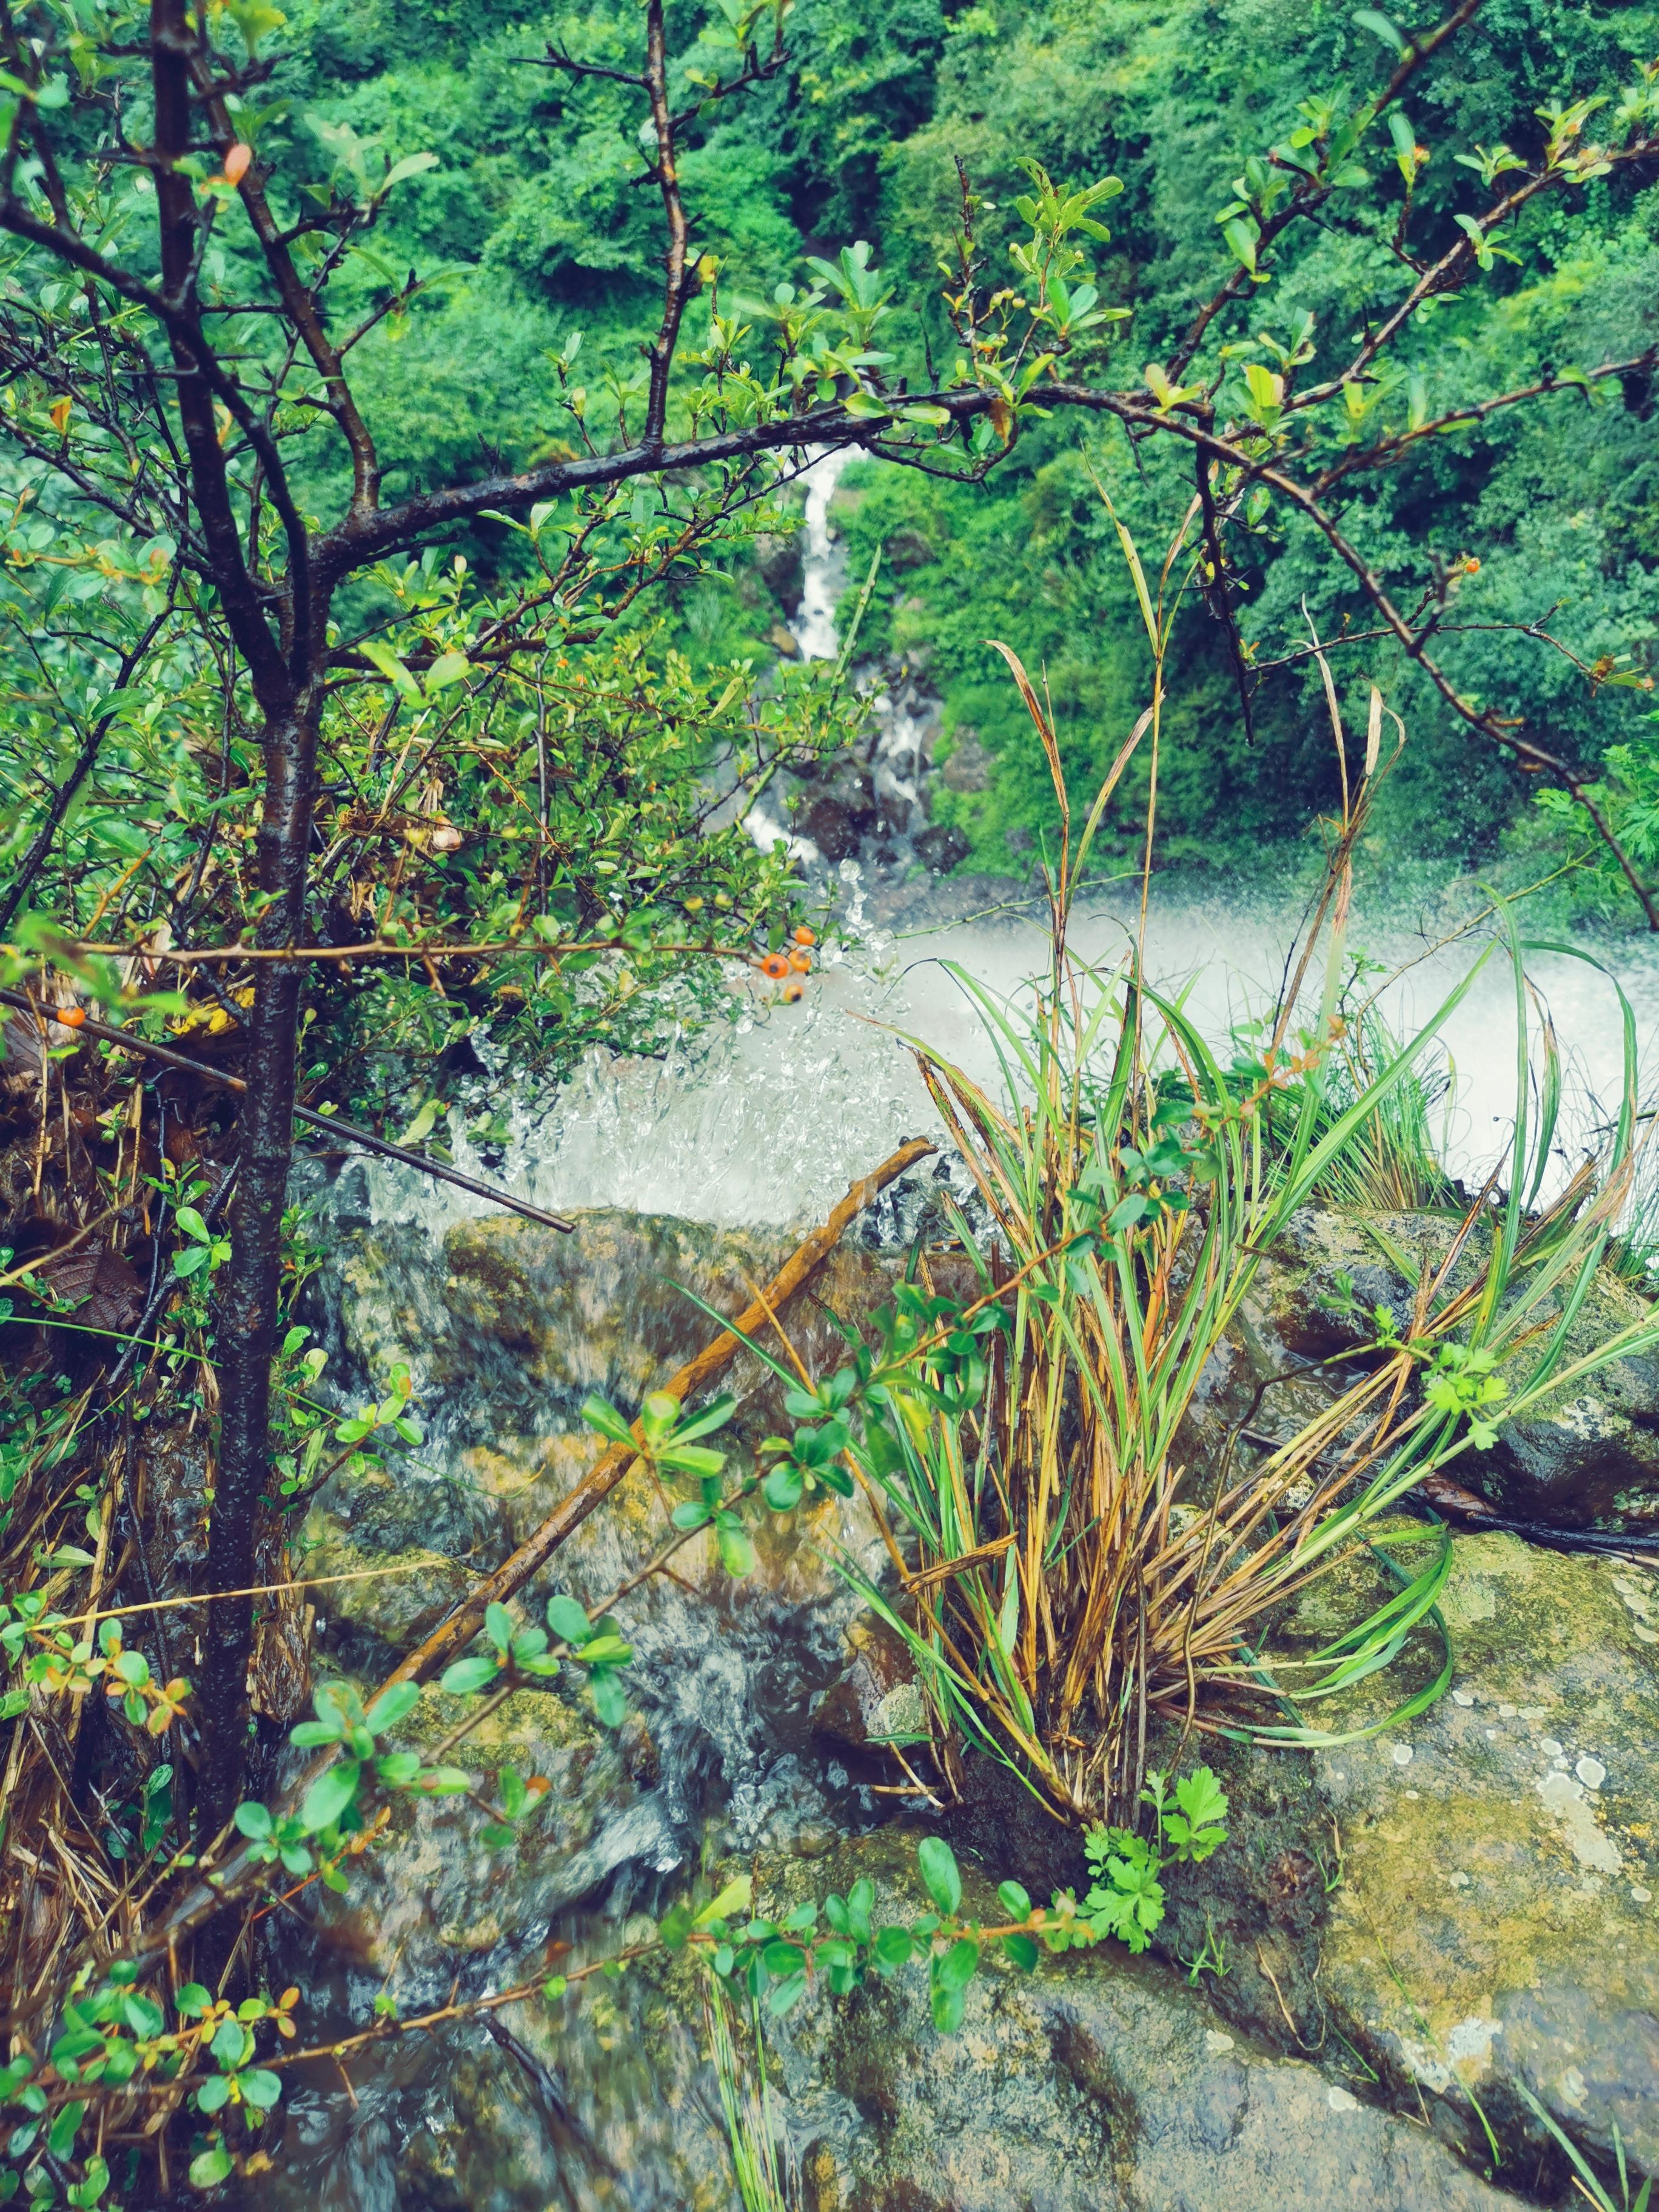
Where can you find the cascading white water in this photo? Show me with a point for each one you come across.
(823, 568)
(766, 1121)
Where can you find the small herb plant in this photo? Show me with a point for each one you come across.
(1126, 1898)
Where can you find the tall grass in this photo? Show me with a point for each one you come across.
(1067, 1580)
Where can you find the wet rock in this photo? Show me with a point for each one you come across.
(908, 549)
(435, 1902)
(384, 1603)
(876, 1699)
(942, 846)
(838, 814)
(1484, 1915)
(779, 560)
(1099, 2084)
(969, 767)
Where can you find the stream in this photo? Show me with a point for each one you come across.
(698, 1165)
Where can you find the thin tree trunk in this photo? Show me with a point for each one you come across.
(249, 1296)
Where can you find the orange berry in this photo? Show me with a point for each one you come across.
(800, 961)
(795, 991)
(805, 936)
(775, 966)
(71, 1017)
(236, 163)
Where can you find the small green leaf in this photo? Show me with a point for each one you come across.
(1374, 20)
(958, 1966)
(737, 1553)
(329, 1795)
(601, 1415)
(60, 2136)
(393, 1706)
(568, 1622)
(938, 1864)
(209, 2167)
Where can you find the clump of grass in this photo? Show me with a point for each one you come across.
(1065, 1580)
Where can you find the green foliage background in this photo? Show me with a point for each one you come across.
(533, 209)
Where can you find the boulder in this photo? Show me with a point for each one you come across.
(1101, 2083)
(839, 812)
(942, 846)
(433, 1902)
(969, 765)
(1463, 1907)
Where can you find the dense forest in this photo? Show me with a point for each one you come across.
(1541, 517)
(548, 1656)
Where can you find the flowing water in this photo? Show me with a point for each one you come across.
(757, 1125)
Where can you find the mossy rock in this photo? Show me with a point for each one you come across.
(1100, 2083)
(1465, 1905)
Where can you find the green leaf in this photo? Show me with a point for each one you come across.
(253, 1819)
(737, 1553)
(958, 1966)
(444, 1781)
(735, 1897)
(468, 1676)
(261, 2088)
(329, 1795)
(447, 669)
(393, 1706)
(498, 1627)
(1374, 20)
(376, 650)
(783, 1488)
(610, 1703)
(1022, 1950)
(209, 2167)
(599, 1413)
(1241, 235)
(410, 166)
(938, 1864)
(605, 1650)
(60, 2136)
(568, 1622)
(691, 1459)
(421, 1128)
(1014, 1900)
